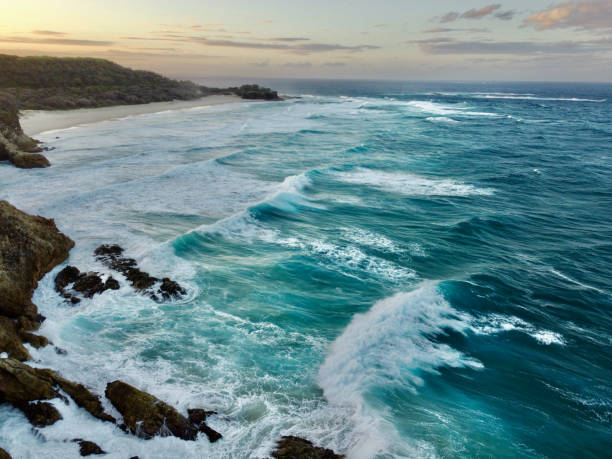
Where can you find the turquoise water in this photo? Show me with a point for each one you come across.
(387, 269)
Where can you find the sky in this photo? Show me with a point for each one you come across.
(524, 40)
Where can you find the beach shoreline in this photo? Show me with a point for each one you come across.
(36, 122)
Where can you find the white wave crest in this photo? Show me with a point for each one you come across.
(389, 345)
(498, 323)
(447, 109)
(442, 119)
(410, 184)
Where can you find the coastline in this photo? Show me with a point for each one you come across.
(34, 122)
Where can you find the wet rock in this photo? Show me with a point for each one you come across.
(29, 160)
(88, 448)
(112, 256)
(20, 384)
(198, 418)
(212, 434)
(88, 284)
(26, 324)
(29, 248)
(68, 275)
(297, 448)
(111, 284)
(4, 454)
(170, 289)
(145, 415)
(11, 341)
(198, 415)
(84, 398)
(36, 341)
(40, 414)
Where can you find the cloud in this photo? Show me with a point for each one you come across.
(289, 39)
(481, 13)
(300, 48)
(334, 64)
(56, 41)
(48, 32)
(448, 30)
(297, 65)
(262, 64)
(449, 17)
(585, 14)
(506, 15)
(478, 13)
(446, 46)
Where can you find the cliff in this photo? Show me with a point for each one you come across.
(15, 146)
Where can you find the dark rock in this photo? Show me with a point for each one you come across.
(67, 276)
(60, 351)
(197, 415)
(11, 341)
(170, 289)
(108, 250)
(146, 415)
(84, 398)
(20, 384)
(212, 434)
(198, 418)
(29, 248)
(139, 279)
(40, 414)
(87, 448)
(297, 448)
(30, 160)
(89, 284)
(26, 324)
(4, 454)
(111, 284)
(35, 340)
(112, 256)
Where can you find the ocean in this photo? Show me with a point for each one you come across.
(387, 269)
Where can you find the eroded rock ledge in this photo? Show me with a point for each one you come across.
(15, 146)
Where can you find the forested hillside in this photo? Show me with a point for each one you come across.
(50, 83)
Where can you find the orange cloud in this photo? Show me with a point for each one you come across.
(586, 14)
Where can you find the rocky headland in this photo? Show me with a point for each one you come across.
(15, 146)
(30, 247)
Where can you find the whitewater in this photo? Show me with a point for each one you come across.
(385, 269)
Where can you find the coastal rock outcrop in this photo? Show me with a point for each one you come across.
(87, 284)
(4, 454)
(145, 415)
(15, 146)
(88, 448)
(112, 256)
(11, 341)
(21, 384)
(29, 248)
(291, 447)
(40, 414)
(198, 417)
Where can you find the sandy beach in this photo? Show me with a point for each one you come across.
(36, 121)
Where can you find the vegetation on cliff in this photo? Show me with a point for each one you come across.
(52, 83)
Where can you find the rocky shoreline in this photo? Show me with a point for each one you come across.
(30, 247)
(16, 147)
